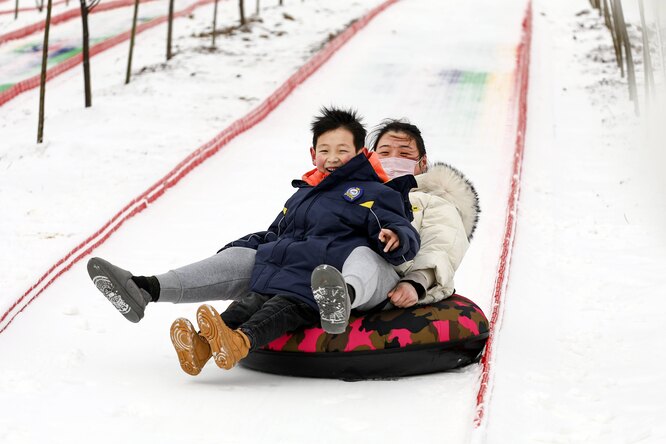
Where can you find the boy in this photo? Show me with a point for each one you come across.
(340, 205)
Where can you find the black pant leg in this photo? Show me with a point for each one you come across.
(242, 310)
(276, 317)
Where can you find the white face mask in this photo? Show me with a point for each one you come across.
(398, 166)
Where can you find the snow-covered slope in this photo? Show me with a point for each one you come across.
(578, 353)
(86, 373)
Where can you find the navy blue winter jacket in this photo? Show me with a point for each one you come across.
(323, 224)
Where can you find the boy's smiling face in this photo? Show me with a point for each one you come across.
(334, 149)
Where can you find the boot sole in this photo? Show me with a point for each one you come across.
(216, 333)
(328, 286)
(113, 291)
(182, 338)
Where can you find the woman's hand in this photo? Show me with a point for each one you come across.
(389, 238)
(403, 295)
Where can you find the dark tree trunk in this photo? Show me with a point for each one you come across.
(214, 22)
(16, 10)
(622, 31)
(42, 82)
(170, 31)
(131, 48)
(86, 53)
(241, 7)
(616, 44)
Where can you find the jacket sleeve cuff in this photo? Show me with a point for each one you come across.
(422, 278)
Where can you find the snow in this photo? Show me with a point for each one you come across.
(578, 354)
(587, 273)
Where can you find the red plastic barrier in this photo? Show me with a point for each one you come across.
(197, 157)
(65, 16)
(520, 96)
(33, 82)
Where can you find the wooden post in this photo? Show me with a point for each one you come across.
(86, 54)
(622, 30)
(16, 8)
(169, 31)
(241, 8)
(214, 22)
(42, 81)
(131, 48)
(616, 44)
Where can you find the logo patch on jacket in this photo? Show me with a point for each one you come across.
(353, 193)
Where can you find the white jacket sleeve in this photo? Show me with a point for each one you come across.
(443, 243)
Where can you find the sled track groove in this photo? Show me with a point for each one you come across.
(521, 85)
(188, 164)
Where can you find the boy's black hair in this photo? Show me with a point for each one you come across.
(399, 126)
(334, 118)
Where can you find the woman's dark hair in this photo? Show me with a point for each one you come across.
(334, 118)
(398, 126)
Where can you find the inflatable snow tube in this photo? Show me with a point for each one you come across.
(384, 344)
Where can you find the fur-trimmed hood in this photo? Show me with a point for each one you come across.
(447, 182)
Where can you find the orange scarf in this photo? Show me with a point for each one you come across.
(314, 177)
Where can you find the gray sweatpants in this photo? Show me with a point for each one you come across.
(226, 276)
(222, 277)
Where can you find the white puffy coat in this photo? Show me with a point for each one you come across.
(446, 209)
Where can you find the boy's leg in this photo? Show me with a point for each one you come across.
(242, 310)
(195, 348)
(370, 276)
(224, 276)
(276, 317)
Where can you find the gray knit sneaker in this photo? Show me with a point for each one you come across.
(330, 293)
(118, 287)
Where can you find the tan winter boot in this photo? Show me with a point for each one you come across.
(192, 349)
(228, 346)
